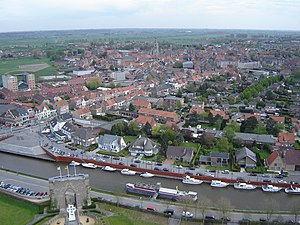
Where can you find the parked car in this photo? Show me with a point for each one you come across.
(210, 217)
(156, 168)
(225, 172)
(165, 169)
(267, 180)
(279, 176)
(188, 173)
(169, 212)
(187, 214)
(151, 208)
(133, 165)
(178, 166)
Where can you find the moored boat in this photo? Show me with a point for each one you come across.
(270, 188)
(89, 165)
(190, 180)
(218, 183)
(128, 172)
(146, 175)
(292, 190)
(244, 186)
(74, 163)
(109, 169)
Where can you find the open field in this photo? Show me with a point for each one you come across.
(34, 67)
(40, 67)
(131, 217)
(16, 212)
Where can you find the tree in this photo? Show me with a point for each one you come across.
(118, 129)
(207, 139)
(204, 204)
(229, 133)
(133, 129)
(94, 83)
(223, 145)
(224, 205)
(112, 68)
(132, 108)
(249, 125)
(147, 129)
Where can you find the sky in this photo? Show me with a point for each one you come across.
(33, 15)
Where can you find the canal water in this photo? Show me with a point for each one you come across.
(115, 182)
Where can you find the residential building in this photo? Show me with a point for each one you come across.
(286, 140)
(215, 159)
(68, 130)
(111, 143)
(249, 138)
(10, 82)
(159, 115)
(15, 116)
(84, 137)
(141, 104)
(83, 113)
(172, 102)
(144, 146)
(43, 112)
(246, 158)
(181, 154)
(61, 107)
(142, 120)
(284, 161)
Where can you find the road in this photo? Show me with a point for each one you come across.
(141, 202)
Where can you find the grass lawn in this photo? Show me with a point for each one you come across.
(131, 217)
(15, 211)
(190, 145)
(122, 153)
(129, 139)
(264, 154)
(159, 157)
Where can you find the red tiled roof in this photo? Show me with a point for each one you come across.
(82, 111)
(196, 110)
(144, 119)
(158, 112)
(278, 119)
(141, 103)
(272, 157)
(286, 137)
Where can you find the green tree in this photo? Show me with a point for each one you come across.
(249, 125)
(94, 83)
(133, 129)
(229, 133)
(132, 107)
(223, 144)
(147, 129)
(118, 129)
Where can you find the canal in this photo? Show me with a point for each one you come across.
(115, 182)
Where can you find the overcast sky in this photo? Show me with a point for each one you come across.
(30, 15)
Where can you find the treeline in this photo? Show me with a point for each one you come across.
(254, 90)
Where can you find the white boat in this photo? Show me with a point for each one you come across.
(89, 165)
(218, 183)
(270, 188)
(74, 163)
(244, 186)
(109, 169)
(190, 180)
(292, 190)
(128, 172)
(147, 175)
